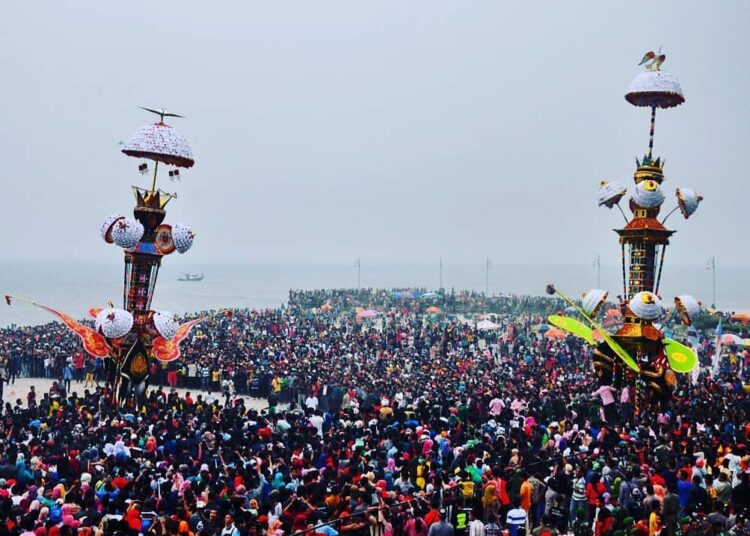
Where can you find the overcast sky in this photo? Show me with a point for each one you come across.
(326, 130)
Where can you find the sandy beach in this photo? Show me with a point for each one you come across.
(18, 390)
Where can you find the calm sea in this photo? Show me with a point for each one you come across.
(73, 287)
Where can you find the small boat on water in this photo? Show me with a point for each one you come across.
(191, 277)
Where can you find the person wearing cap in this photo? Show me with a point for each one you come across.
(441, 527)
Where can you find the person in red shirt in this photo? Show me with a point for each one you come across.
(120, 481)
(133, 517)
(433, 516)
(595, 491)
(656, 479)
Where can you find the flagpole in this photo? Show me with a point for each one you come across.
(358, 264)
(487, 278)
(441, 274)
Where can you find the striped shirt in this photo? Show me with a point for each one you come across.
(516, 516)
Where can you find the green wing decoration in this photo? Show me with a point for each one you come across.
(576, 327)
(681, 358)
(613, 344)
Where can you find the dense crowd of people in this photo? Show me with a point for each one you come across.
(407, 424)
(451, 302)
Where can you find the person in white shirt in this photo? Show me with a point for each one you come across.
(317, 421)
(229, 529)
(192, 372)
(476, 527)
(311, 402)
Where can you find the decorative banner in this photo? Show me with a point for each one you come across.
(94, 343)
(169, 349)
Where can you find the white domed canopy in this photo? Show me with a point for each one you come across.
(648, 194)
(162, 143)
(688, 201)
(593, 301)
(655, 88)
(610, 193)
(688, 308)
(646, 305)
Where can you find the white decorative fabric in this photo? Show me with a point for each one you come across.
(183, 237)
(106, 227)
(126, 233)
(593, 301)
(688, 200)
(160, 142)
(648, 194)
(646, 305)
(166, 324)
(610, 193)
(655, 88)
(688, 307)
(113, 323)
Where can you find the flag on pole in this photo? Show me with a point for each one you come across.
(695, 375)
(716, 361)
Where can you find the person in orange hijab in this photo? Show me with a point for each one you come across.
(183, 529)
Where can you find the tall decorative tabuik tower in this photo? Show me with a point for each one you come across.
(638, 353)
(131, 336)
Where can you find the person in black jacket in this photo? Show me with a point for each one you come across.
(697, 497)
(741, 494)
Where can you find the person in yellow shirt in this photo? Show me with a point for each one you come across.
(467, 486)
(386, 411)
(654, 519)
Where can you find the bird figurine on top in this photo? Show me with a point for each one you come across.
(653, 61)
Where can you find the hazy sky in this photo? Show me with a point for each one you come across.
(326, 130)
